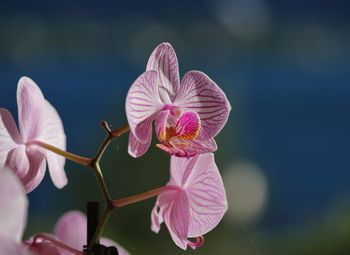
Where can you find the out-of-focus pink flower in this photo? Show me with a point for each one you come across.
(38, 121)
(70, 230)
(13, 214)
(194, 201)
(188, 114)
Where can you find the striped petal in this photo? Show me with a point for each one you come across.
(200, 94)
(137, 149)
(206, 194)
(142, 103)
(174, 209)
(163, 59)
(53, 133)
(9, 136)
(30, 102)
(188, 148)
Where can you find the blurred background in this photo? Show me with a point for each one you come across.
(284, 153)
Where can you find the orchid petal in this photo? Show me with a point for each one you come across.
(13, 204)
(177, 216)
(163, 59)
(8, 133)
(28, 165)
(190, 148)
(142, 102)
(161, 123)
(71, 229)
(30, 102)
(108, 243)
(137, 149)
(156, 217)
(206, 195)
(36, 172)
(188, 126)
(53, 133)
(10, 247)
(18, 162)
(200, 94)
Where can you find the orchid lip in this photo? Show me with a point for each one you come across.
(178, 128)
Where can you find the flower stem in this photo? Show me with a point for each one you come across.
(95, 165)
(143, 196)
(73, 157)
(102, 184)
(102, 223)
(120, 131)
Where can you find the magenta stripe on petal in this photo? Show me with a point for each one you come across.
(200, 94)
(163, 59)
(142, 103)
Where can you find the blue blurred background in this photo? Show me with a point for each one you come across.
(284, 153)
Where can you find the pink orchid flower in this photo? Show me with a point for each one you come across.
(38, 121)
(13, 214)
(188, 114)
(194, 201)
(70, 230)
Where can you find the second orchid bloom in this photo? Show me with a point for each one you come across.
(187, 114)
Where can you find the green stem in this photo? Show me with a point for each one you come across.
(143, 196)
(73, 157)
(101, 183)
(102, 223)
(94, 163)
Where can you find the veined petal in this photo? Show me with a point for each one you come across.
(206, 195)
(53, 133)
(188, 125)
(156, 218)
(142, 102)
(28, 165)
(163, 59)
(161, 124)
(137, 149)
(18, 161)
(30, 101)
(9, 136)
(13, 206)
(200, 94)
(188, 148)
(180, 169)
(71, 229)
(37, 167)
(177, 217)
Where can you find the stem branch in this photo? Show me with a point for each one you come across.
(143, 196)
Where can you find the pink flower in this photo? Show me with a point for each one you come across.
(194, 201)
(13, 214)
(70, 230)
(188, 114)
(38, 121)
